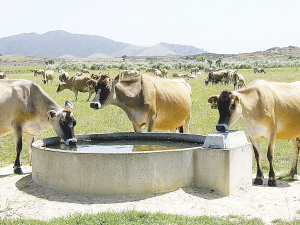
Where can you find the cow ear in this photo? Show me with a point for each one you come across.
(117, 79)
(68, 105)
(91, 82)
(120, 75)
(51, 114)
(237, 98)
(213, 101)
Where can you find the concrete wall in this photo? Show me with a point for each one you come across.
(139, 173)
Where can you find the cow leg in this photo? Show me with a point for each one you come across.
(76, 94)
(29, 140)
(90, 94)
(271, 182)
(18, 144)
(259, 174)
(295, 144)
(185, 125)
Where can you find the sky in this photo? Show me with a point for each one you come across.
(218, 26)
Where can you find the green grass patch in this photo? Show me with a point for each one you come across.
(134, 217)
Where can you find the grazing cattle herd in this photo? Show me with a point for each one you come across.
(266, 109)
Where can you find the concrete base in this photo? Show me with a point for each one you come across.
(139, 173)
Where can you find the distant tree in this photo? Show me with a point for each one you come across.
(209, 61)
(219, 62)
(124, 57)
(0, 54)
(201, 58)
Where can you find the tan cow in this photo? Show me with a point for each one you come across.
(158, 73)
(267, 109)
(38, 72)
(77, 84)
(238, 81)
(2, 75)
(160, 104)
(128, 73)
(26, 108)
(164, 73)
(64, 76)
(48, 75)
(195, 70)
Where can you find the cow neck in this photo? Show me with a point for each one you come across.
(126, 92)
(44, 103)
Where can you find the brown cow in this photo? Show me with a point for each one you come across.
(266, 109)
(160, 104)
(77, 84)
(26, 108)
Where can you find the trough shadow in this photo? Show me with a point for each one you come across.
(27, 185)
(205, 193)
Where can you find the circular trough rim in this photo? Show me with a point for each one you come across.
(179, 137)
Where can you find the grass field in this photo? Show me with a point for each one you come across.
(113, 119)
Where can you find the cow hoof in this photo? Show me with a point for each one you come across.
(18, 170)
(272, 183)
(258, 181)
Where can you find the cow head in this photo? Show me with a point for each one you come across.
(104, 90)
(61, 87)
(230, 109)
(63, 123)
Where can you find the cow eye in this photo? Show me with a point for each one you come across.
(232, 106)
(107, 88)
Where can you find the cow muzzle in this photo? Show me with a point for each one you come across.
(71, 141)
(222, 127)
(95, 105)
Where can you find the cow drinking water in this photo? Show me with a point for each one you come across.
(26, 108)
(267, 109)
(158, 103)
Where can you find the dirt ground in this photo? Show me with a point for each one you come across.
(20, 197)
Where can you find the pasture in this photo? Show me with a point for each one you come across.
(113, 119)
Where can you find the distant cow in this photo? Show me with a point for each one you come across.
(2, 75)
(195, 70)
(177, 75)
(84, 71)
(160, 104)
(128, 73)
(26, 108)
(267, 109)
(158, 73)
(238, 81)
(77, 84)
(216, 77)
(38, 72)
(48, 75)
(64, 76)
(259, 70)
(164, 73)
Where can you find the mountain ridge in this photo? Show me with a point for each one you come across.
(58, 44)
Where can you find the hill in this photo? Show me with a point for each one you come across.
(61, 44)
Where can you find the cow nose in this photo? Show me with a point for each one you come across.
(222, 127)
(71, 141)
(95, 105)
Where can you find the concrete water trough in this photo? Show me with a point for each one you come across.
(220, 161)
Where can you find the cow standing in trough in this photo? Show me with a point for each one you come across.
(267, 109)
(160, 104)
(26, 108)
(77, 83)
